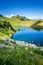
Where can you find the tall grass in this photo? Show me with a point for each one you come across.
(20, 55)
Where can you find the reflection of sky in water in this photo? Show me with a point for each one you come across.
(29, 35)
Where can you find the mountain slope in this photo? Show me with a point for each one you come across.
(38, 25)
(6, 29)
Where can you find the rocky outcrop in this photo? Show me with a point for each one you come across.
(15, 42)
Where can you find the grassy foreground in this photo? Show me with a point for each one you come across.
(21, 55)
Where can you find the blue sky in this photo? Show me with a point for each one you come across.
(32, 9)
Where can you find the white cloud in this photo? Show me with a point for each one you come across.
(9, 15)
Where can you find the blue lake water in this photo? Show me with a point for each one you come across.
(29, 35)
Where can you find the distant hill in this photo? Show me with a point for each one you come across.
(1, 15)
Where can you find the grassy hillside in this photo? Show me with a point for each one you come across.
(15, 23)
(19, 21)
(13, 54)
(21, 55)
(6, 29)
(38, 25)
